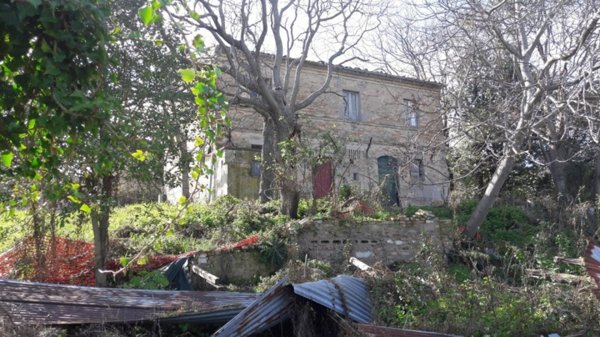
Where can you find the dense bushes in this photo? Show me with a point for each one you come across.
(428, 295)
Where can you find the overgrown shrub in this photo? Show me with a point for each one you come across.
(427, 295)
(504, 224)
(154, 279)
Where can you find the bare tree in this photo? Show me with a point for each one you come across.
(265, 46)
(544, 45)
(518, 70)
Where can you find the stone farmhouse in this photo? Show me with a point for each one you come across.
(387, 129)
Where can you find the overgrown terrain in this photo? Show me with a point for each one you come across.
(478, 288)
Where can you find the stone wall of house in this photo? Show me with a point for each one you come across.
(386, 241)
(380, 130)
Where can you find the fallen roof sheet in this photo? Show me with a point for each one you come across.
(346, 295)
(383, 331)
(271, 308)
(592, 264)
(27, 302)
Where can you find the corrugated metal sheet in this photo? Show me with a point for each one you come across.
(26, 302)
(344, 294)
(383, 331)
(271, 308)
(592, 264)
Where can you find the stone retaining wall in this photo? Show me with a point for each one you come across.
(372, 241)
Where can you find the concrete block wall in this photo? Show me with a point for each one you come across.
(386, 241)
(235, 267)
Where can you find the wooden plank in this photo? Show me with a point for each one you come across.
(574, 261)
(210, 278)
(557, 277)
(362, 266)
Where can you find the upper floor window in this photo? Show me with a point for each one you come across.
(351, 105)
(412, 117)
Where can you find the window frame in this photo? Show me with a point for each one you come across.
(347, 94)
(411, 114)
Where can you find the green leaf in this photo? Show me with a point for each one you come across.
(194, 15)
(146, 14)
(199, 141)
(187, 75)
(7, 158)
(170, 233)
(143, 260)
(85, 209)
(139, 155)
(74, 199)
(124, 261)
(198, 43)
(182, 200)
(35, 163)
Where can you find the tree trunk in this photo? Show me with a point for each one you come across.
(557, 165)
(185, 180)
(290, 197)
(267, 170)
(100, 220)
(286, 130)
(491, 193)
(184, 164)
(597, 173)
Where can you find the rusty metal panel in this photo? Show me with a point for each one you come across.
(345, 295)
(592, 264)
(383, 331)
(271, 308)
(28, 302)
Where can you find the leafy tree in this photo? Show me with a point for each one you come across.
(76, 107)
(52, 61)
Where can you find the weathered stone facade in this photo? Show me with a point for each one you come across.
(393, 127)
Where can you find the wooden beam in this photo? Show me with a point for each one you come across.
(210, 278)
(362, 266)
(557, 277)
(574, 261)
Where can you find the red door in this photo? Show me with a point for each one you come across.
(323, 180)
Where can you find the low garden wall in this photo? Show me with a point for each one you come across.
(387, 241)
